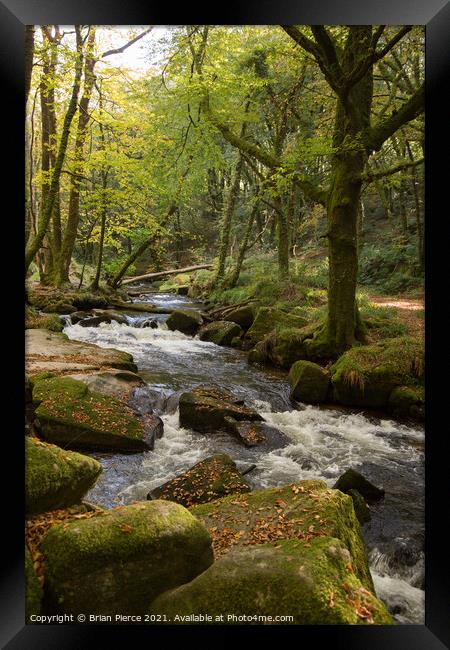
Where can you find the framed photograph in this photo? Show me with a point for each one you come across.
(227, 342)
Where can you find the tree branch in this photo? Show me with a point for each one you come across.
(374, 136)
(119, 50)
(370, 176)
(373, 56)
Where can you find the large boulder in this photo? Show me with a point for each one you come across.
(309, 382)
(36, 320)
(310, 582)
(119, 561)
(71, 415)
(47, 351)
(56, 478)
(301, 511)
(212, 478)
(282, 348)
(353, 480)
(206, 408)
(120, 384)
(407, 402)
(243, 316)
(270, 319)
(366, 375)
(220, 332)
(102, 316)
(185, 320)
(256, 434)
(33, 589)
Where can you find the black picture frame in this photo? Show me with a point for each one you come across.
(435, 14)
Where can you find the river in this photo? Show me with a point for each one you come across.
(324, 443)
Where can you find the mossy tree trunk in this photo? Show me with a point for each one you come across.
(348, 163)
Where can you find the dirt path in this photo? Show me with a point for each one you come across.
(410, 311)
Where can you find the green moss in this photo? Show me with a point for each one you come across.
(33, 590)
(366, 375)
(361, 508)
(408, 401)
(311, 582)
(268, 319)
(75, 417)
(309, 382)
(56, 478)
(120, 560)
(34, 320)
(309, 509)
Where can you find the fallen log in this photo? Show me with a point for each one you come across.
(161, 274)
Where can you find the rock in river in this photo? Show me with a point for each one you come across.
(308, 581)
(301, 511)
(184, 320)
(211, 478)
(71, 415)
(353, 480)
(118, 561)
(221, 332)
(53, 352)
(205, 408)
(309, 381)
(54, 477)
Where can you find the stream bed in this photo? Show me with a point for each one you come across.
(324, 442)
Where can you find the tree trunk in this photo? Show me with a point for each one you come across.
(229, 211)
(344, 198)
(415, 183)
(29, 53)
(243, 249)
(35, 243)
(226, 222)
(73, 216)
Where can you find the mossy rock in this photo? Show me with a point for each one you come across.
(269, 319)
(34, 320)
(243, 316)
(56, 478)
(303, 510)
(33, 589)
(284, 348)
(88, 300)
(309, 382)
(220, 332)
(236, 342)
(120, 560)
(361, 508)
(54, 351)
(71, 415)
(206, 408)
(366, 375)
(408, 402)
(185, 320)
(353, 480)
(312, 582)
(212, 478)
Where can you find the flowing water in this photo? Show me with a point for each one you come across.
(324, 443)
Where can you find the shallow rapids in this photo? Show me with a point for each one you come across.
(324, 443)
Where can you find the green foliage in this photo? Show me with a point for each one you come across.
(390, 266)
